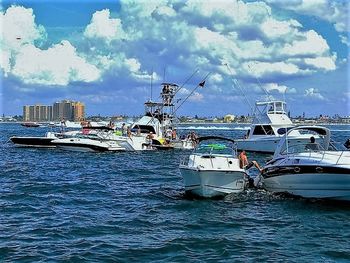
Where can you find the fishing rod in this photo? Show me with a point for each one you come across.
(245, 97)
(201, 84)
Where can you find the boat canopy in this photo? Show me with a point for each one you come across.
(318, 139)
(276, 107)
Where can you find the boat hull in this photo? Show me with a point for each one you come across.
(41, 142)
(325, 185)
(206, 183)
(87, 145)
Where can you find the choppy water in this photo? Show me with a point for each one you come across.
(66, 206)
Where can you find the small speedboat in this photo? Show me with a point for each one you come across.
(314, 169)
(30, 124)
(213, 169)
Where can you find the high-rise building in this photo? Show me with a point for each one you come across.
(63, 110)
(78, 111)
(68, 110)
(37, 113)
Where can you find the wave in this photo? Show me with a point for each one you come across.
(212, 128)
(340, 130)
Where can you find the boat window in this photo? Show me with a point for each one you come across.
(302, 148)
(263, 130)
(143, 128)
(282, 131)
(214, 148)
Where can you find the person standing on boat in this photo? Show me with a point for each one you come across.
(173, 134)
(128, 131)
(124, 129)
(245, 164)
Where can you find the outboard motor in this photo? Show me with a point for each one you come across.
(347, 144)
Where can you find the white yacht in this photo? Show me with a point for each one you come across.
(99, 139)
(213, 169)
(313, 169)
(270, 123)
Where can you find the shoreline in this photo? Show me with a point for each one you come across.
(212, 123)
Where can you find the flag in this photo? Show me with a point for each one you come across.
(202, 84)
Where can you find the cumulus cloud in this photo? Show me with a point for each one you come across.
(58, 65)
(179, 35)
(271, 87)
(102, 26)
(23, 58)
(314, 94)
(335, 12)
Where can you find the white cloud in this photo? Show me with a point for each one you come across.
(310, 43)
(196, 96)
(326, 63)
(260, 69)
(57, 65)
(270, 87)
(335, 12)
(184, 35)
(104, 27)
(314, 94)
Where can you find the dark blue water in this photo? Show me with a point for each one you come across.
(65, 206)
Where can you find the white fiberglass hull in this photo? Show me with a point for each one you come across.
(326, 185)
(87, 145)
(213, 183)
(264, 145)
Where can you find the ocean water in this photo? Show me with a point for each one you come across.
(61, 206)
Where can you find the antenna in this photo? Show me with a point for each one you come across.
(164, 74)
(152, 84)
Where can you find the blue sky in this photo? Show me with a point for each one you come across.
(105, 53)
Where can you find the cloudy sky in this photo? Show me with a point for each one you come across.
(105, 53)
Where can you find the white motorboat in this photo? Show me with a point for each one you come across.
(82, 144)
(213, 169)
(269, 125)
(314, 169)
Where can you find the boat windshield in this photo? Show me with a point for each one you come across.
(215, 148)
(302, 148)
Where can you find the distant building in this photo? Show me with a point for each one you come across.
(63, 110)
(37, 113)
(68, 110)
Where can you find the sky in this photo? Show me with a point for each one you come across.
(113, 55)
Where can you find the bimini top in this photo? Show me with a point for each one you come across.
(322, 139)
(204, 138)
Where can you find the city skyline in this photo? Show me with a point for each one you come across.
(58, 111)
(108, 53)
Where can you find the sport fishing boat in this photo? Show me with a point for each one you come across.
(270, 123)
(313, 169)
(213, 169)
(159, 120)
